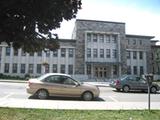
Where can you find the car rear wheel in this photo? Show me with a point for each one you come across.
(126, 88)
(153, 89)
(42, 94)
(118, 89)
(87, 96)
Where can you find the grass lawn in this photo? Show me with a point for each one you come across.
(39, 114)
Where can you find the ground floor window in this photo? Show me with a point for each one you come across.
(6, 68)
(88, 69)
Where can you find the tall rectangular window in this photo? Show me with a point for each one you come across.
(39, 53)
(141, 70)
(39, 68)
(55, 68)
(63, 52)
(108, 53)
(134, 54)
(114, 38)
(115, 70)
(135, 70)
(101, 53)
(88, 69)
(15, 52)
(88, 37)
(114, 53)
(70, 69)
(62, 68)
(31, 54)
(23, 68)
(48, 54)
(71, 52)
(8, 51)
(14, 68)
(30, 68)
(88, 52)
(95, 53)
(101, 38)
(6, 68)
(47, 68)
(23, 53)
(129, 70)
(134, 42)
(108, 39)
(55, 53)
(95, 38)
(128, 55)
(141, 55)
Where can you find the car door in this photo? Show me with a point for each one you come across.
(143, 84)
(71, 87)
(132, 82)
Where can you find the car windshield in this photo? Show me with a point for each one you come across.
(123, 77)
(42, 77)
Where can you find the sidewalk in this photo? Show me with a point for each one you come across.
(78, 105)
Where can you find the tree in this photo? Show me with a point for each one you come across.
(27, 24)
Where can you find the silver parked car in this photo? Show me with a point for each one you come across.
(57, 84)
(132, 82)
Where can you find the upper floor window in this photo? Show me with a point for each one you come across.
(8, 51)
(140, 42)
(134, 42)
(128, 54)
(39, 53)
(134, 54)
(55, 53)
(108, 53)
(114, 53)
(95, 53)
(63, 52)
(88, 52)
(101, 38)
(114, 38)
(141, 55)
(107, 38)
(23, 53)
(101, 53)
(88, 37)
(31, 54)
(70, 52)
(15, 52)
(47, 53)
(94, 37)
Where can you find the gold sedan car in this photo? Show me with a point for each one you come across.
(56, 84)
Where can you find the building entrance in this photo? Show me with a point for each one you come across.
(101, 72)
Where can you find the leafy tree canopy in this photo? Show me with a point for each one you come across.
(27, 24)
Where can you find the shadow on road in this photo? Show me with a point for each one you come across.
(65, 98)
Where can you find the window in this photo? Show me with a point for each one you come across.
(70, 52)
(88, 69)
(129, 70)
(95, 53)
(62, 68)
(134, 54)
(114, 53)
(141, 55)
(101, 38)
(39, 68)
(23, 67)
(23, 53)
(55, 53)
(107, 38)
(101, 53)
(94, 37)
(115, 70)
(141, 70)
(6, 68)
(88, 37)
(128, 40)
(14, 68)
(39, 53)
(135, 70)
(47, 53)
(31, 54)
(54, 68)
(15, 52)
(63, 52)
(8, 51)
(47, 68)
(114, 38)
(70, 69)
(30, 68)
(88, 52)
(128, 54)
(140, 42)
(108, 53)
(134, 42)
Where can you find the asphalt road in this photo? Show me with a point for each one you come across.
(107, 94)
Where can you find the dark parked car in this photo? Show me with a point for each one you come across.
(132, 82)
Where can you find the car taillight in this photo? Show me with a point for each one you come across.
(117, 82)
(29, 83)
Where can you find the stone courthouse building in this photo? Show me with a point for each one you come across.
(98, 49)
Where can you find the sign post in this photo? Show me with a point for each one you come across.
(149, 78)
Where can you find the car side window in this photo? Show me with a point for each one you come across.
(53, 79)
(69, 81)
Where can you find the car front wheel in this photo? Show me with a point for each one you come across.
(87, 96)
(126, 88)
(153, 89)
(42, 94)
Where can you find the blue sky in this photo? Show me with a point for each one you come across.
(142, 17)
